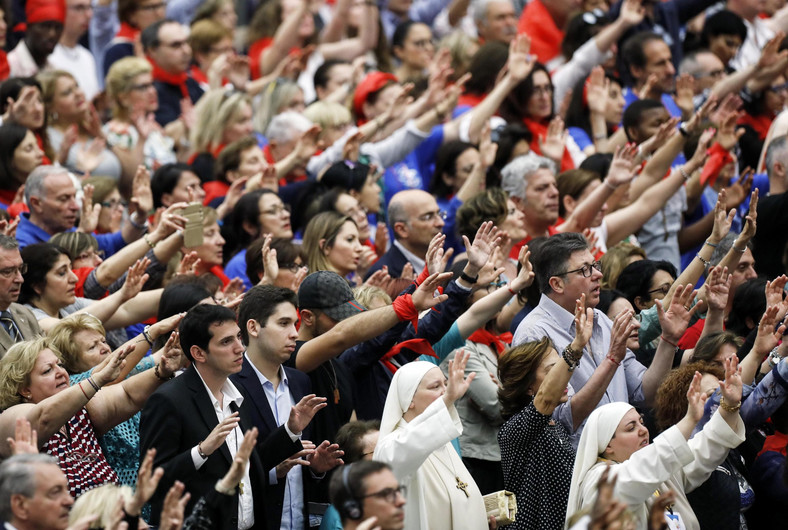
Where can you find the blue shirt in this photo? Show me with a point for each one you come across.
(27, 234)
(670, 106)
(236, 268)
(414, 170)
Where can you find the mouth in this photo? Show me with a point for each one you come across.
(64, 384)
(644, 443)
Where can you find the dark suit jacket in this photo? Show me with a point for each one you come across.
(394, 259)
(177, 417)
(25, 321)
(263, 418)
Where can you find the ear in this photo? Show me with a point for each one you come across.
(401, 230)
(516, 200)
(749, 323)
(778, 169)
(556, 284)
(354, 193)
(397, 52)
(366, 108)
(631, 133)
(640, 304)
(569, 204)
(253, 328)
(448, 179)
(24, 391)
(323, 248)
(19, 506)
(35, 204)
(198, 354)
(307, 318)
(250, 229)
(166, 199)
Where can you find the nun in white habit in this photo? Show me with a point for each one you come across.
(615, 435)
(419, 422)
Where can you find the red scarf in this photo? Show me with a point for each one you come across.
(127, 31)
(539, 130)
(470, 100)
(760, 123)
(420, 346)
(717, 158)
(498, 343)
(776, 442)
(178, 80)
(198, 75)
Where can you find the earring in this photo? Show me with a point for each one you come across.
(54, 116)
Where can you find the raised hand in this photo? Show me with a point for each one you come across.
(424, 295)
(553, 144)
(722, 218)
(327, 456)
(520, 62)
(685, 93)
(718, 288)
(485, 242)
(632, 12)
(298, 459)
(525, 277)
(696, 399)
(750, 226)
(457, 383)
(703, 145)
(770, 331)
(436, 258)
(598, 91)
(648, 86)
(172, 358)
(303, 412)
(25, 440)
(674, 321)
(147, 482)
(622, 167)
(189, 263)
(739, 190)
(173, 507)
(88, 220)
(623, 326)
(774, 295)
(607, 509)
(731, 387)
(135, 279)
(169, 221)
(113, 365)
(90, 154)
(219, 434)
(665, 131)
(141, 194)
(236, 472)
(584, 324)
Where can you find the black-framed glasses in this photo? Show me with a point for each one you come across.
(276, 210)
(153, 7)
(585, 270)
(664, 288)
(388, 494)
(10, 272)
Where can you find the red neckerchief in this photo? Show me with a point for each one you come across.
(198, 75)
(776, 442)
(470, 100)
(127, 31)
(44, 161)
(499, 343)
(760, 123)
(7, 196)
(218, 149)
(217, 271)
(539, 130)
(178, 80)
(420, 346)
(717, 159)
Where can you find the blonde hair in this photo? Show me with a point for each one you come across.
(215, 110)
(120, 79)
(459, 45)
(61, 337)
(74, 243)
(326, 227)
(615, 260)
(48, 80)
(327, 114)
(102, 502)
(367, 294)
(16, 367)
(276, 95)
(205, 34)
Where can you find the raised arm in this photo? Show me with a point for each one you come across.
(349, 49)
(285, 39)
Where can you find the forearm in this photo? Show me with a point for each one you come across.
(552, 388)
(482, 312)
(584, 213)
(732, 83)
(473, 184)
(285, 38)
(658, 165)
(482, 112)
(138, 309)
(166, 249)
(660, 366)
(693, 235)
(587, 398)
(751, 365)
(114, 266)
(131, 233)
(610, 35)
(457, 10)
(503, 321)
(336, 28)
(344, 335)
(130, 160)
(713, 323)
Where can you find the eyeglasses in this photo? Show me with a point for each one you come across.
(276, 210)
(90, 254)
(142, 87)
(10, 272)
(586, 270)
(292, 267)
(661, 289)
(114, 203)
(152, 7)
(594, 17)
(388, 494)
(431, 216)
(84, 8)
(779, 88)
(494, 286)
(175, 45)
(539, 90)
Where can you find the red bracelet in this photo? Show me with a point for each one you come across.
(406, 310)
(666, 340)
(613, 360)
(83, 390)
(514, 293)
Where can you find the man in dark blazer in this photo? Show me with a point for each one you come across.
(181, 420)
(415, 218)
(17, 323)
(267, 316)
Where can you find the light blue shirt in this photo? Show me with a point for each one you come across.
(280, 402)
(551, 320)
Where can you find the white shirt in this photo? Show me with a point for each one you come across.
(417, 262)
(79, 62)
(22, 64)
(758, 34)
(233, 441)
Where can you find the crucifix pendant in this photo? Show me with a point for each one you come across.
(241, 487)
(336, 396)
(462, 486)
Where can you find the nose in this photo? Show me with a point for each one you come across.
(72, 278)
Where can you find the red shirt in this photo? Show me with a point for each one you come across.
(538, 24)
(551, 231)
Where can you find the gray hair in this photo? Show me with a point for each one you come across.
(479, 9)
(17, 477)
(723, 247)
(8, 242)
(553, 255)
(34, 185)
(776, 152)
(515, 174)
(690, 64)
(287, 126)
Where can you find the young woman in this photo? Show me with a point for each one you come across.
(19, 155)
(331, 243)
(413, 47)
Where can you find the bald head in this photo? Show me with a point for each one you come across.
(416, 219)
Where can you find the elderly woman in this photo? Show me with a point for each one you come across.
(615, 436)
(419, 422)
(70, 418)
(80, 341)
(132, 127)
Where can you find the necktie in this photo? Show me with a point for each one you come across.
(10, 326)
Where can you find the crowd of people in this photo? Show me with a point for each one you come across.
(386, 264)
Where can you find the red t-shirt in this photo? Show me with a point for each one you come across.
(546, 37)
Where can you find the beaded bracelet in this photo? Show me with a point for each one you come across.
(729, 408)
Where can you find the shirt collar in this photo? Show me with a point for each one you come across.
(263, 379)
(229, 391)
(563, 318)
(417, 262)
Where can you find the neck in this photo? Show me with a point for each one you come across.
(39, 222)
(569, 305)
(305, 333)
(266, 366)
(777, 186)
(405, 73)
(536, 227)
(654, 93)
(70, 40)
(416, 249)
(47, 307)
(38, 57)
(213, 381)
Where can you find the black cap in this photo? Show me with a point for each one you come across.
(330, 293)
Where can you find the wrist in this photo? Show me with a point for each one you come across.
(472, 273)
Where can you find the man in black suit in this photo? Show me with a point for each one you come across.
(268, 316)
(196, 423)
(415, 219)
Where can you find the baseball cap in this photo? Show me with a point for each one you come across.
(330, 293)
